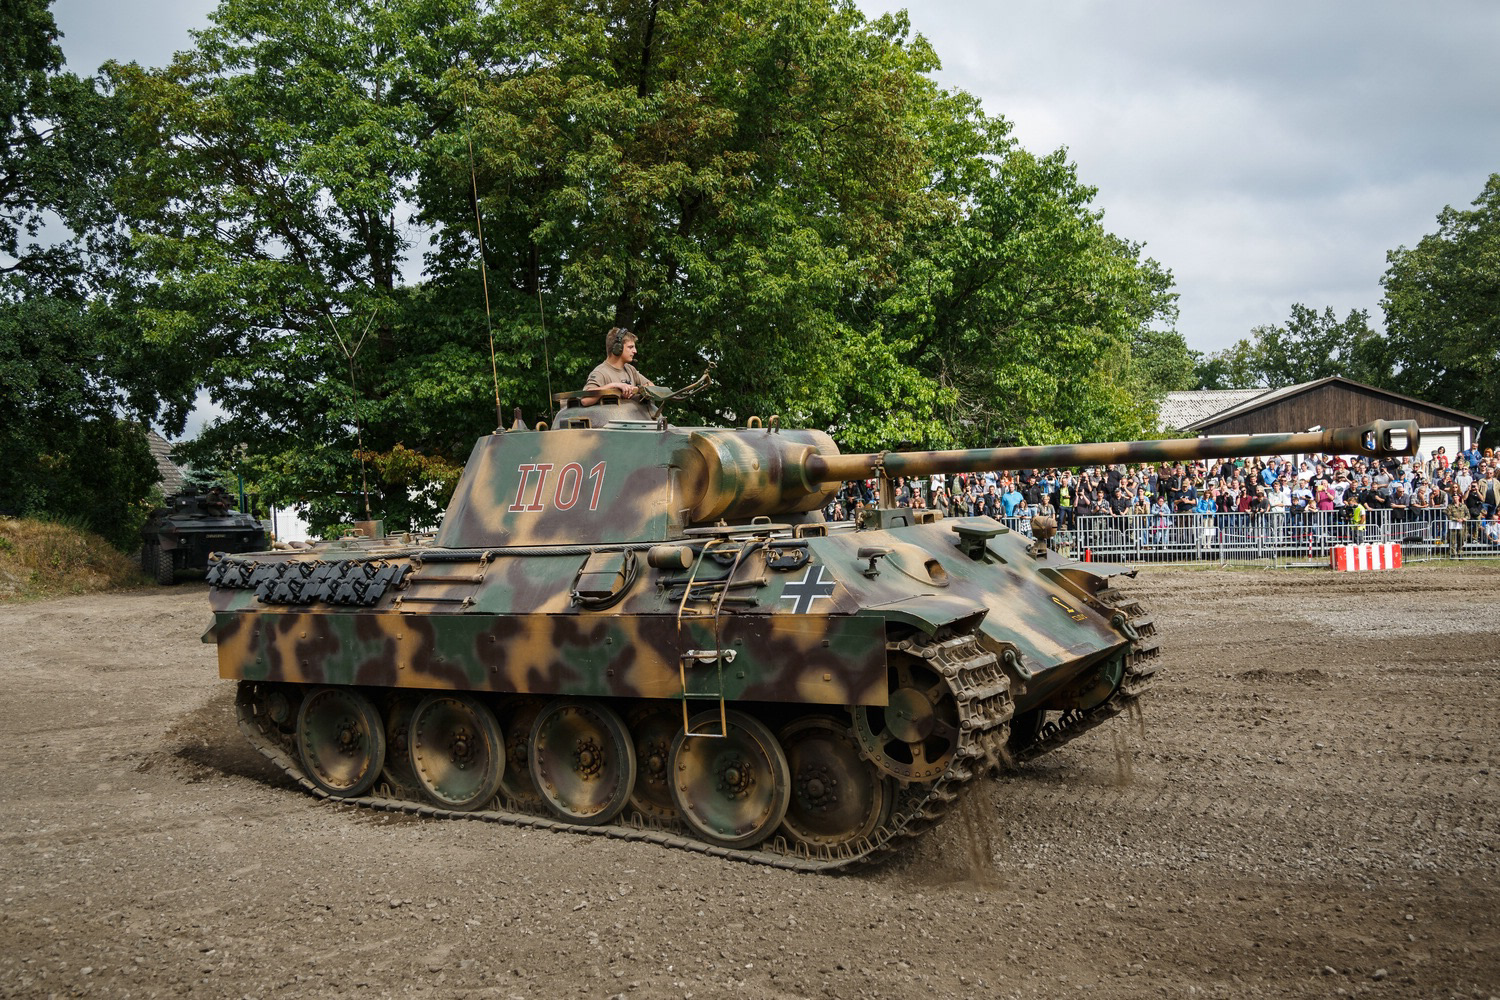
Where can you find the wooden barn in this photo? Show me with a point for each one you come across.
(1328, 402)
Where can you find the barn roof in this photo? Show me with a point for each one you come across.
(172, 479)
(1261, 398)
(1180, 410)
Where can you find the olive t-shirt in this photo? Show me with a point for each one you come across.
(604, 373)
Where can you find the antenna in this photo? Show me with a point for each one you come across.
(546, 358)
(359, 432)
(484, 277)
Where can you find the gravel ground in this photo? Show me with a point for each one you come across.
(1306, 807)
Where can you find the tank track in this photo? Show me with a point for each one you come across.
(1140, 666)
(980, 689)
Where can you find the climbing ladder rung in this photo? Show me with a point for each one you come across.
(717, 591)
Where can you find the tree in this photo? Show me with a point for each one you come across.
(30, 174)
(776, 189)
(853, 247)
(271, 167)
(68, 452)
(1163, 362)
(1023, 302)
(77, 379)
(1442, 311)
(56, 151)
(1231, 368)
(1309, 347)
(726, 179)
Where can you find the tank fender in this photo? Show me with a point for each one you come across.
(1084, 580)
(930, 612)
(211, 634)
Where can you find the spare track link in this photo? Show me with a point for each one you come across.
(1140, 665)
(984, 709)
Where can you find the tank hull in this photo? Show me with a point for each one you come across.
(796, 632)
(811, 630)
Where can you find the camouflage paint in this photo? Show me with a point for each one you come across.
(492, 606)
(819, 660)
(626, 484)
(1375, 439)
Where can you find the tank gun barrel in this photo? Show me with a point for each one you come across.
(708, 475)
(1377, 439)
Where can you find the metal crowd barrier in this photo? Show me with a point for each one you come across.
(1279, 538)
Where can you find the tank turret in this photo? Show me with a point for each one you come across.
(635, 479)
(648, 630)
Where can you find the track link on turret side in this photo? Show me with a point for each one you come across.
(979, 687)
(1140, 666)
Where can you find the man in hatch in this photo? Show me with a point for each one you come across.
(616, 373)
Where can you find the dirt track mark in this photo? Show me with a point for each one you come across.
(1215, 846)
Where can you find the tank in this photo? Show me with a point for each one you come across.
(188, 527)
(637, 630)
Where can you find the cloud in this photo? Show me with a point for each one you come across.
(95, 31)
(1266, 153)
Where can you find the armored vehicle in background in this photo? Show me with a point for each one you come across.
(650, 632)
(188, 527)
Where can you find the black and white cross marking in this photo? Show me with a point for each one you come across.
(808, 589)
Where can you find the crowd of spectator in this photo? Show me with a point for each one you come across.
(1464, 489)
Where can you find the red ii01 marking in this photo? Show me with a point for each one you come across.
(564, 495)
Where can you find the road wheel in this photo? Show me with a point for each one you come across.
(398, 742)
(457, 751)
(652, 727)
(733, 788)
(341, 740)
(516, 719)
(582, 761)
(838, 797)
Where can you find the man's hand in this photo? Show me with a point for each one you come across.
(625, 389)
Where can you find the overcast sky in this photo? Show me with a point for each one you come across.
(1266, 153)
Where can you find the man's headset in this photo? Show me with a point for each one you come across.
(617, 340)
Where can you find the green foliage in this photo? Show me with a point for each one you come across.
(76, 376)
(776, 189)
(1162, 362)
(271, 165)
(1442, 311)
(66, 372)
(57, 149)
(1309, 347)
(88, 474)
(1024, 304)
(1226, 369)
(724, 179)
(29, 62)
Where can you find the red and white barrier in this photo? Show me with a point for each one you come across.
(1385, 555)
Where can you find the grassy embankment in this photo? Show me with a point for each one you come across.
(47, 559)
